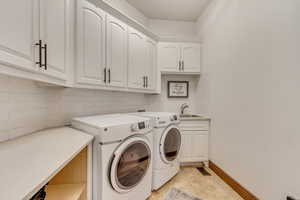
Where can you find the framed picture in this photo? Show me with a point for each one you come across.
(178, 89)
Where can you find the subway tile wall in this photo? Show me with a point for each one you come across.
(26, 107)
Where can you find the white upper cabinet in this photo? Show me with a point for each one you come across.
(190, 57)
(76, 43)
(151, 64)
(136, 59)
(116, 52)
(179, 58)
(90, 44)
(34, 39)
(18, 33)
(54, 18)
(169, 56)
(110, 54)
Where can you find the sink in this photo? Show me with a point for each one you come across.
(189, 116)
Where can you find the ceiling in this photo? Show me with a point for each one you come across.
(185, 10)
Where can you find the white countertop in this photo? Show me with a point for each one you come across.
(198, 118)
(29, 162)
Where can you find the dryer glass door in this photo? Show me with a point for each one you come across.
(130, 164)
(170, 144)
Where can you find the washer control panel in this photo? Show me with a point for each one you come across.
(139, 126)
(174, 118)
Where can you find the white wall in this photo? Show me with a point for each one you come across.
(251, 85)
(168, 29)
(163, 103)
(172, 28)
(208, 17)
(25, 107)
(129, 10)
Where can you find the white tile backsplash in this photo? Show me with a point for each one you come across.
(27, 107)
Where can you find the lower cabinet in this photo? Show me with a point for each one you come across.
(195, 140)
(194, 146)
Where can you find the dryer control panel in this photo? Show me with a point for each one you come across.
(142, 125)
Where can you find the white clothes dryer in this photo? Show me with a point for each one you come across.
(166, 146)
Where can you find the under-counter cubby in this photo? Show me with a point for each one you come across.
(59, 159)
(71, 182)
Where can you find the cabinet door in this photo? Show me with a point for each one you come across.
(194, 146)
(185, 151)
(90, 44)
(190, 55)
(19, 33)
(169, 57)
(151, 64)
(116, 51)
(199, 145)
(137, 59)
(54, 22)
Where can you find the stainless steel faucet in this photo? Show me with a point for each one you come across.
(183, 107)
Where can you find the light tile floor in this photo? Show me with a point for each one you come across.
(191, 181)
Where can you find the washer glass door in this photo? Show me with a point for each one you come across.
(130, 164)
(170, 144)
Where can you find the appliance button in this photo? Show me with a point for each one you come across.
(134, 127)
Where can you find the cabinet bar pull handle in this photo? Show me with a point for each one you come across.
(39, 44)
(109, 76)
(45, 54)
(105, 75)
(147, 79)
(182, 65)
(179, 65)
(144, 82)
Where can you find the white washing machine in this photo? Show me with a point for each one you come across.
(166, 146)
(122, 155)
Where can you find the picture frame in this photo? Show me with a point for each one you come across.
(178, 89)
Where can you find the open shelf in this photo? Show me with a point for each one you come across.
(71, 182)
(64, 192)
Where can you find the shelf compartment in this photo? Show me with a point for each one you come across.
(64, 192)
